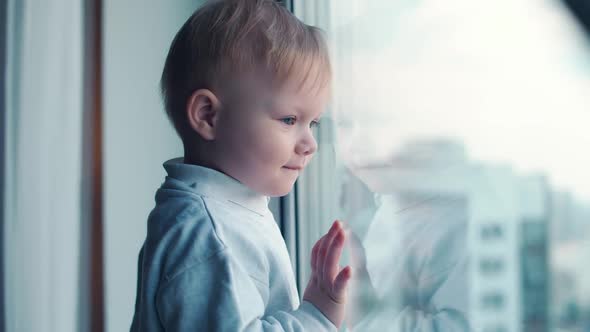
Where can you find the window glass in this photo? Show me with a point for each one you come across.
(454, 150)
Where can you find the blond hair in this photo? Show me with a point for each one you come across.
(228, 37)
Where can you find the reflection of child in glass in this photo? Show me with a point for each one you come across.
(244, 83)
(410, 266)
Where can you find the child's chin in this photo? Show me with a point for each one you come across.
(278, 192)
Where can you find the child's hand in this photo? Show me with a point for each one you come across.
(327, 287)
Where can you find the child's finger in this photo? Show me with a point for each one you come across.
(340, 283)
(314, 254)
(321, 257)
(333, 256)
(323, 249)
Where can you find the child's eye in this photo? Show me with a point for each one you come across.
(314, 123)
(289, 120)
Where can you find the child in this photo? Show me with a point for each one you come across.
(243, 84)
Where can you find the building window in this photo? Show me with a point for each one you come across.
(491, 232)
(492, 301)
(491, 266)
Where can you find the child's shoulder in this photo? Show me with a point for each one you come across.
(182, 229)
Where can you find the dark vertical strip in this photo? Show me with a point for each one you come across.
(288, 4)
(281, 216)
(298, 246)
(91, 315)
(3, 48)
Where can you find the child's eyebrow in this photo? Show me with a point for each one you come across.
(301, 110)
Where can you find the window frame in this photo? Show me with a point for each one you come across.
(3, 51)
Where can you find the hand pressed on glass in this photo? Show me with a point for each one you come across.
(327, 287)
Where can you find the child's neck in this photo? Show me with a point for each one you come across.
(193, 157)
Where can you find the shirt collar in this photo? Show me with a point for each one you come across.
(209, 182)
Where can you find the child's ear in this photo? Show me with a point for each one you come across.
(202, 112)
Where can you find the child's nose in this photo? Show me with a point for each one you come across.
(306, 146)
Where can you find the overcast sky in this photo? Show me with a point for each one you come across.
(509, 78)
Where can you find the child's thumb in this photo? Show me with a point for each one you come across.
(341, 281)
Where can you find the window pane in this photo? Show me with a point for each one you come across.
(454, 148)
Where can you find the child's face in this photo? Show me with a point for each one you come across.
(265, 132)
